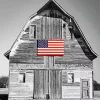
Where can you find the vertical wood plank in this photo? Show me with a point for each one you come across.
(35, 85)
(41, 31)
(40, 83)
(49, 28)
(43, 27)
(60, 84)
(47, 32)
(54, 28)
(39, 26)
(57, 84)
(61, 28)
(38, 29)
(45, 84)
(58, 28)
(57, 24)
(51, 84)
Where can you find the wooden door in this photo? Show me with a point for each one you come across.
(54, 81)
(40, 84)
(47, 82)
(55, 90)
(85, 88)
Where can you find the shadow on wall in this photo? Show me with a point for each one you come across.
(3, 96)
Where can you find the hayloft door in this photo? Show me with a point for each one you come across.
(85, 88)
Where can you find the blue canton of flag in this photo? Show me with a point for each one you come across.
(42, 43)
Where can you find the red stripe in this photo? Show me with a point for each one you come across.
(50, 54)
(56, 47)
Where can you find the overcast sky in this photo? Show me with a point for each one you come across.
(15, 13)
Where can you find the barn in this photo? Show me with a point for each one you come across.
(64, 73)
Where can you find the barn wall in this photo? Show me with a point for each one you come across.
(75, 90)
(23, 57)
(19, 66)
(19, 89)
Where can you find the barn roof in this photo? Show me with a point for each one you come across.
(52, 4)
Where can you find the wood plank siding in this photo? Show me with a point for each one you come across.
(25, 49)
(54, 82)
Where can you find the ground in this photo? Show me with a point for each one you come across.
(4, 92)
(96, 95)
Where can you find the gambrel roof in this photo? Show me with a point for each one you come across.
(53, 6)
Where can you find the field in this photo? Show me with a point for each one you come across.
(97, 95)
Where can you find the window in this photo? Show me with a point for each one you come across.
(64, 31)
(32, 32)
(67, 78)
(21, 77)
(64, 25)
(70, 78)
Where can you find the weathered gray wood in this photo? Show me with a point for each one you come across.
(55, 84)
(47, 27)
(16, 88)
(42, 33)
(43, 27)
(41, 84)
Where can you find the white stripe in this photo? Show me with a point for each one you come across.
(56, 41)
(50, 53)
(51, 48)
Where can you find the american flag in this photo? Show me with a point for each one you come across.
(50, 47)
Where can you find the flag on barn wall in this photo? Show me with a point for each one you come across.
(50, 47)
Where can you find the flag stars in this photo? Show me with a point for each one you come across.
(42, 43)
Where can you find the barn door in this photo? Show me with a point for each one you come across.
(40, 84)
(55, 84)
(47, 82)
(85, 88)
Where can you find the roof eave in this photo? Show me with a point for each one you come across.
(6, 54)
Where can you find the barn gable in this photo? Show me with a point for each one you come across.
(49, 12)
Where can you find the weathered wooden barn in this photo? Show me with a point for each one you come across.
(67, 77)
